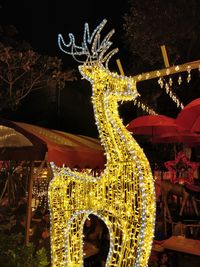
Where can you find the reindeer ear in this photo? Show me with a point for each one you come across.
(87, 72)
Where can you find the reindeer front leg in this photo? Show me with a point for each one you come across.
(57, 192)
(74, 237)
(60, 196)
(58, 239)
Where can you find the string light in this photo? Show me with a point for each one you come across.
(167, 85)
(138, 102)
(40, 187)
(122, 196)
(168, 71)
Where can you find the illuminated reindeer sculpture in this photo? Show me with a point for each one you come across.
(123, 195)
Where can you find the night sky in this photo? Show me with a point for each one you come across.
(39, 23)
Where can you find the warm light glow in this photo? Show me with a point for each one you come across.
(122, 196)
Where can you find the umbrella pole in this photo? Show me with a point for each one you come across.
(29, 204)
(175, 152)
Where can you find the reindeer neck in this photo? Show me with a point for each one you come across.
(113, 133)
(108, 88)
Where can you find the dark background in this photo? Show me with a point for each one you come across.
(39, 23)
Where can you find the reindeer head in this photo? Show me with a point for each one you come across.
(95, 63)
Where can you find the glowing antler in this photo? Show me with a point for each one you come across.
(92, 48)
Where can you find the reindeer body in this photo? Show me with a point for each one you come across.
(122, 196)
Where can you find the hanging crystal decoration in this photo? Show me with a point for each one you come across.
(179, 80)
(170, 81)
(160, 82)
(167, 88)
(189, 76)
(144, 107)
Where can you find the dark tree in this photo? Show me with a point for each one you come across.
(150, 24)
(175, 24)
(22, 72)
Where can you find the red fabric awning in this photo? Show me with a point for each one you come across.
(30, 148)
(69, 149)
(63, 148)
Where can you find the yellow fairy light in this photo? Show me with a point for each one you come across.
(123, 195)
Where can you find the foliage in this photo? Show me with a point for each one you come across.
(150, 24)
(24, 71)
(13, 253)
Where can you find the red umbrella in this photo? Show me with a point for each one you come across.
(153, 125)
(189, 117)
(185, 137)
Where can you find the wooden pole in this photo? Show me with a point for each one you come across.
(120, 67)
(167, 71)
(165, 57)
(29, 203)
(162, 72)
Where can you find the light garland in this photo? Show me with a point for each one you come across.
(138, 102)
(168, 89)
(168, 71)
(122, 196)
(40, 187)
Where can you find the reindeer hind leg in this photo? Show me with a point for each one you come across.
(74, 240)
(122, 241)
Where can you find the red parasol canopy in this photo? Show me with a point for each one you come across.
(69, 149)
(22, 141)
(189, 117)
(185, 137)
(18, 144)
(153, 125)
